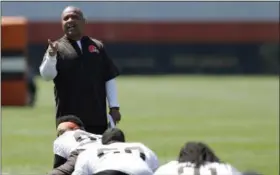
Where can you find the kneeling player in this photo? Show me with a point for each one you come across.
(70, 142)
(196, 159)
(116, 157)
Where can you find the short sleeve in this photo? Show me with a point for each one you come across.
(151, 158)
(81, 164)
(64, 145)
(58, 149)
(110, 69)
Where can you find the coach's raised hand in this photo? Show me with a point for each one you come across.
(53, 47)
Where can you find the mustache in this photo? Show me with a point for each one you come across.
(69, 25)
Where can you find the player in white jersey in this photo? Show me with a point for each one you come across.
(70, 142)
(196, 158)
(116, 157)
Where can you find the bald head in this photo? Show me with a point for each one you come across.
(72, 19)
(76, 10)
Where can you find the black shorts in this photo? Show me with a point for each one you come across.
(110, 172)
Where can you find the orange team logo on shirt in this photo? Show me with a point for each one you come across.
(92, 48)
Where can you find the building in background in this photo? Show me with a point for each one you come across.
(167, 37)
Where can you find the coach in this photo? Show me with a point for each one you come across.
(82, 73)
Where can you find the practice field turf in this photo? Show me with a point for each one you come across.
(236, 116)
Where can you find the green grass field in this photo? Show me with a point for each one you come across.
(236, 116)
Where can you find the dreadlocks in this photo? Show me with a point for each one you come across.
(197, 153)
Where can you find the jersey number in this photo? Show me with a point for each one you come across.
(84, 138)
(129, 150)
(197, 171)
(80, 136)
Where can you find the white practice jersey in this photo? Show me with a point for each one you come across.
(130, 158)
(74, 140)
(176, 168)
